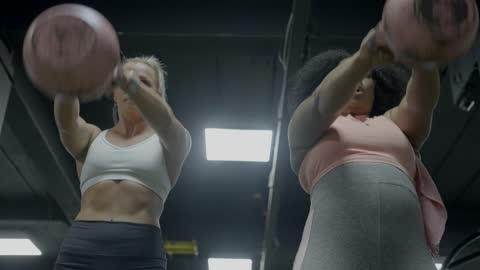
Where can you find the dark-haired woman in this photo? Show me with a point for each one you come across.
(354, 143)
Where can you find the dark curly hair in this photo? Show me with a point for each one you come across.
(390, 81)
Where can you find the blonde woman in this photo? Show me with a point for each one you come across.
(125, 172)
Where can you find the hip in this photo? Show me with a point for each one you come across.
(362, 175)
(117, 239)
(111, 246)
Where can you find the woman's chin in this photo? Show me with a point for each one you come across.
(131, 113)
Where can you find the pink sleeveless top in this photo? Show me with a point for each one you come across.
(377, 139)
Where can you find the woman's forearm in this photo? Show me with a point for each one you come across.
(339, 85)
(154, 108)
(67, 112)
(175, 138)
(414, 113)
(423, 90)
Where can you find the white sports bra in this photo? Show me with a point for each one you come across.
(142, 163)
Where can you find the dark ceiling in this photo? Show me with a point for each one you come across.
(223, 71)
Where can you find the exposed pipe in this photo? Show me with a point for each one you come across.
(464, 260)
(458, 249)
(289, 59)
(273, 190)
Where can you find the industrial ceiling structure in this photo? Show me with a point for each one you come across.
(228, 64)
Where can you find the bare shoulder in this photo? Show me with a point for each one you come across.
(94, 131)
(79, 140)
(176, 158)
(296, 159)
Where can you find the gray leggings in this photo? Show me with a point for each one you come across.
(364, 216)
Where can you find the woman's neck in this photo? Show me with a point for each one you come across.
(131, 128)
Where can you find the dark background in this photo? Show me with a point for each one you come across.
(223, 67)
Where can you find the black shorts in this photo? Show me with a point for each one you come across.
(91, 245)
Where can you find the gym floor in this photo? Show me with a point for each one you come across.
(222, 58)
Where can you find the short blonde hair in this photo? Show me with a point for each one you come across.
(157, 66)
(159, 69)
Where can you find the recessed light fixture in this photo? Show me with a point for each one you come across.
(230, 264)
(18, 247)
(238, 145)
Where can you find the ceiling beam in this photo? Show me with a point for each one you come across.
(135, 43)
(5, 88)
(5, 83)
(30, 117)
(292, 55)
(22, 165)
(168, 21)
(26, 209)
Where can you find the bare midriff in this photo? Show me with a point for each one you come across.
(120, 201)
